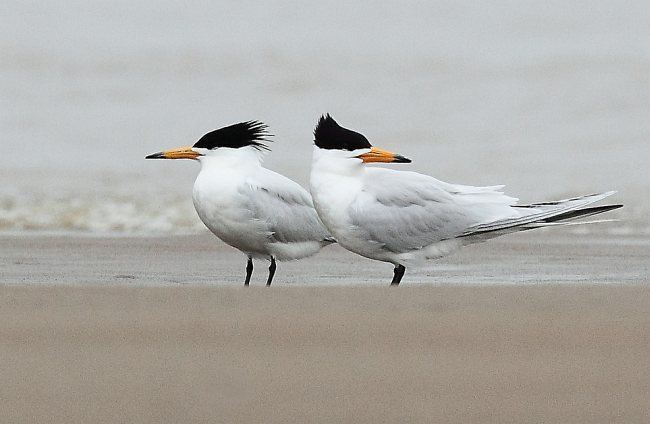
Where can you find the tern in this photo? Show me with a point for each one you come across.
(262, 213)
(405, 217)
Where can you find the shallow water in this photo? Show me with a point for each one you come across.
(548, 98)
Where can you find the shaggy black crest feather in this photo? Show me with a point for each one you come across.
(330, 135)
(250, 133)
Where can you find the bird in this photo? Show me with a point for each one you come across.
(406, 218)
(260, 212)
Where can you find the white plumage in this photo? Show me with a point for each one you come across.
(263, 214)
(254, 209)
(406, 218)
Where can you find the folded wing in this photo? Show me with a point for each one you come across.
(285, 210)
(406, 211)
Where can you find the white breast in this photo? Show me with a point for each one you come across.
(258, 211)
(336, 183)
(382, 214)
(224, 208)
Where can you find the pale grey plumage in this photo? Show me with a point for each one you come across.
(283, 208)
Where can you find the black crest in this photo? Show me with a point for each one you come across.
(330, 135)
(251, 133)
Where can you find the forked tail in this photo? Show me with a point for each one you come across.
(545, 214)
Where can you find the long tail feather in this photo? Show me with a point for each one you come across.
(543, 214)
(582, 213)
(564, 223)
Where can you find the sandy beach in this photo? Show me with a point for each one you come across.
(160, 330)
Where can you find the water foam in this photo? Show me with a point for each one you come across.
(108, 215)
(172, 213)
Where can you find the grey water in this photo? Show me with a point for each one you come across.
(550, 98)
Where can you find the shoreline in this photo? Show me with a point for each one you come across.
(540, 257)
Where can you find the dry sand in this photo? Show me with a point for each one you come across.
(87, 347)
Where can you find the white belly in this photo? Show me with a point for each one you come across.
(227, 209)
(332, 197)
(224, 210)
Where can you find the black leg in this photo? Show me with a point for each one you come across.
(397, 276)
(271, 271)
(249, 271)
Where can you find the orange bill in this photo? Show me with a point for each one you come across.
(179, 153)
(380, 155)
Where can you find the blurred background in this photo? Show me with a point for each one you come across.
(550, 98)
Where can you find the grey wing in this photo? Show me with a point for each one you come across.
(406, 211)
(286, 210)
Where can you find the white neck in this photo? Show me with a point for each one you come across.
(225, 158)
(338, 162)
(336, 178)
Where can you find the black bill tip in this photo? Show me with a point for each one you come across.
(159, 155)
(401, 159)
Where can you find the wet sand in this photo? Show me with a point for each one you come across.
(542, 256)
(159, 330)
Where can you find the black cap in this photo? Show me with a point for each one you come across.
(330, 135)
(251, 133)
